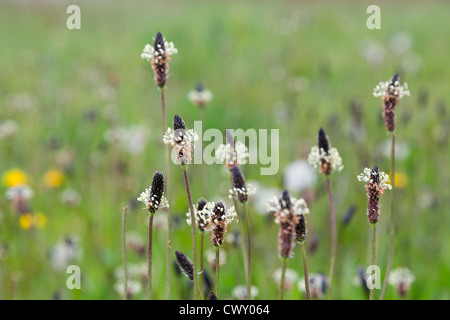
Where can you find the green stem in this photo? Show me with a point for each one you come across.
(283, 276)
(373, 259)
(124, 253)
(392, 226)
(149, 256)
(243, 248)
(194, 229)
(333, 238)
(305, 271)
(169, 216)
(217, 271)
(249, 252)
(202, 271)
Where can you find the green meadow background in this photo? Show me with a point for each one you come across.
(295, 66)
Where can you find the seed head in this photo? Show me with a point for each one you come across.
(288, 213)
(158, 42)
(159, 57)
(390, 92)
(185, 265)
(219, 221)
(323, 156)
(300, 229)
(153, 197)
(322, 141)
(178, 123)
(376, 183)
(181, 140)
(239, 183)
(212, 296)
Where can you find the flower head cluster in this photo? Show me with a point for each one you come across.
(232, 153)
(324, 157)
(153, 197)
(159, 56)
(391, 92)
(220, 219)
(391, 88)
(401, 279)
(200, 96)
(19, 195)
(202, 215)
(181, 140)
(240, 191)
(288, 213)
(376, 183)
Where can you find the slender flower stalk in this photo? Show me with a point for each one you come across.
(288, 212)
(202, 216)
(217, 269)
(159, 57)
(391, 92)
(169, 213)
(194, 229)
(333, 237)
(283, 276)
(300, 236)
(376, 183)
(124, 252)
(181, 140)
(392, 220)
(327, 160)
(373, 256)
(240, 192)
(154, 200)
(305, 272)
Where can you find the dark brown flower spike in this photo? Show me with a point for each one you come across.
(219, 224)
(212, 296)
(390, 92)
(322, 141)
(376, 183)
(300, 229)
(239, 184)
(185, 265)
(159, 57)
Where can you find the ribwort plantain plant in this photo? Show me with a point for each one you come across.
(220, 218)
(376, 183)
(288, 212)
(327, 160)
(181, 139)
(154, 199)
(240, 192)
(390, 92)
(159, 57)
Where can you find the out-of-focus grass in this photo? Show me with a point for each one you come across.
(250, 56)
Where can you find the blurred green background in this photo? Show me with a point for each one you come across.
(84, 104)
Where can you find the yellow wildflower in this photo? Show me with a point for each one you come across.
(53, 178)
(14, 177)
(401, 180)
(26, 221)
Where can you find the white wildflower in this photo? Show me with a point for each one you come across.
(366, 177)
(318, 156)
